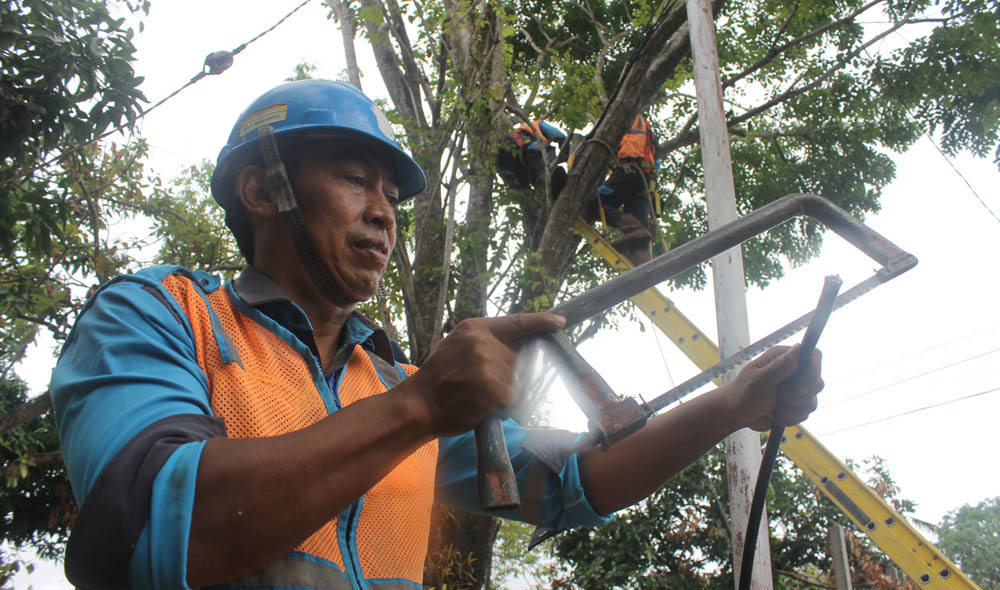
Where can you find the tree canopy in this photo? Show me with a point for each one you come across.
(970, 536)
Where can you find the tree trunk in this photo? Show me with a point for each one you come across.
(461, 545)
(471, 65)
(346, 19)
(653, 62)
(457, 558)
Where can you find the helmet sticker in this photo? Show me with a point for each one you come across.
(383, 123)
(265, 116)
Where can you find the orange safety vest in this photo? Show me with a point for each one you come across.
(263, 387)
(525, 134)
(639, 144)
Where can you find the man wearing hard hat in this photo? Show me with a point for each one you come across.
(262, 433)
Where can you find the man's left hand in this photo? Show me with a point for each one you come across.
(763, 394)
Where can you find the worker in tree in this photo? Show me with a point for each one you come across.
(625, 195)
(524, 154)
(260, 432)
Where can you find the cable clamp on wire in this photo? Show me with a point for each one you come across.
(217, 62)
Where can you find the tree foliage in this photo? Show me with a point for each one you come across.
(67, 78)
(679, 536)
(970, 536)
(810, 96)
(121, 218)
(35, 499)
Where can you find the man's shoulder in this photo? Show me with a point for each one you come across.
(156, 276)
(150, 287)
(205, 281)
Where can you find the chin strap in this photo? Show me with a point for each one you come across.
(289, 210)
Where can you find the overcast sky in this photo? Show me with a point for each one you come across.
(926, 338)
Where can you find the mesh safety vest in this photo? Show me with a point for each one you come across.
(262, 387)
(638, 144)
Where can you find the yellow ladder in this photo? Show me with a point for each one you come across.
(916, 556)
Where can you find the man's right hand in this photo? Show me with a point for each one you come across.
(470, 374)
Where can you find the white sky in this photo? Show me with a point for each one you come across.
(946, 306)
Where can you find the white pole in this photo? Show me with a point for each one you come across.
(742, 447)
(838, 551)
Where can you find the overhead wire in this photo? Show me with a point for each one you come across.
(975, 193)
(914, 411)
(909, 378)
(962, 176)
(839, 378)
(215, 63)
(666, 366)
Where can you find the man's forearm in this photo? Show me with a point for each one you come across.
(759, 395)
(639, 464)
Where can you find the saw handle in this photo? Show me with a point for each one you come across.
(494, 473)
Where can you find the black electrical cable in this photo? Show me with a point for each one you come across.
(827, 298)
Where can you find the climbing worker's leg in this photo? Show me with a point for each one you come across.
(511, 165)
(630, 189)
(559, 177)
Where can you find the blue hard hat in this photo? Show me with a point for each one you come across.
(313, 109)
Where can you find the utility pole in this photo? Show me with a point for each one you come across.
(838, 551)
(742, 447)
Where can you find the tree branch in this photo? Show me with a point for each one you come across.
(48, 458)
(776, 51)
(21, 415)
(691, 136)
(55, 328)
(415, 76)
(385, 58)
(802, 579)
(792, 92)
(653, 62)
(449, 234)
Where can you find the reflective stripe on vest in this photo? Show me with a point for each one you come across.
(637, 144)
(264, 387)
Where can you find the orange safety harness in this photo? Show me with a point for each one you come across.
(525, 134)
(638, 146)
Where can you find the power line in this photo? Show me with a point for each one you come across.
(215, 63)
(962, 176)
(909, 356)
(910, 378)
(947, 159)
(656, 335)
(937, 405)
